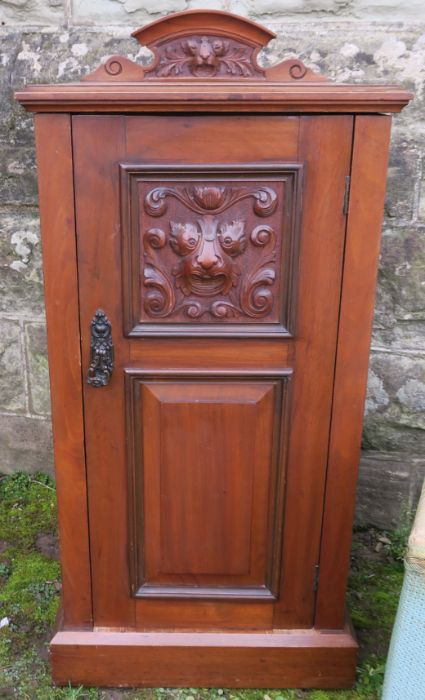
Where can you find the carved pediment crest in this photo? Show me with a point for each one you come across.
(203, 45)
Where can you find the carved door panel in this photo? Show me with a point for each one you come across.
(214, 246)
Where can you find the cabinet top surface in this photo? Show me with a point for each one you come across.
(206, 60)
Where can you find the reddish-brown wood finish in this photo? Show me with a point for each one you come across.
(268, 96)
(97, 222)
(56, 195)
(312, 141)
(202, 60)
(201, 529)
(298, 659)
(196, 242)
(206, 471)
(204, 22)
(368, 177)
(325, 148)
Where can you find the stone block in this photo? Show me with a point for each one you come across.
(395, 404)
(125, 11)
(421, 202)
(18, 179)
(43, 12)
(394, 335)
(403, 174)
(26, 445)
(389, 487)
(324, 35)
(62, 56)
(21, 281)
(38, 369)
(16, 126)
(342, 50)
(346, 53)
(119, 11)
(396, 10)
(12, 375)
(400, 312)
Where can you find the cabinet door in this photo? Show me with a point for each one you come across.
(214, 245)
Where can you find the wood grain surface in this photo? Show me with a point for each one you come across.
(56, 193)
(209, 284)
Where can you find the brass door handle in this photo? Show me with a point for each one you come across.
(101, 350)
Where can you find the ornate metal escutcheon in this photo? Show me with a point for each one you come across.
(101, 350)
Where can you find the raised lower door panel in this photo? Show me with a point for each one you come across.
(206, 482)
(214, 245)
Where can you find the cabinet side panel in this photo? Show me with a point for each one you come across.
(368, 178)
(55, 181)
(325, 150)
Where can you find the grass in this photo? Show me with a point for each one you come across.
(29, 596)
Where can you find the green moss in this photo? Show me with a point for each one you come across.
(27, 508)
(29, 581)
(29, 584)
(372, 600)
(30, 591)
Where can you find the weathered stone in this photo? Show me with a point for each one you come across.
(400, 309)
(395, 405)
(26, 444)
(38, 369)
(21, 280)
(31, 11)
(125, 11)
(18, 181)
(120, 10)
(327, 35)
(388, 489)
(12, 376)
(345, 53)
(52, 57)
(403, 173)
(421, 198)
(395, 334)
(379, 9)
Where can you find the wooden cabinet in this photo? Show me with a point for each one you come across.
(210, 234)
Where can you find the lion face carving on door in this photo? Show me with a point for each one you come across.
(207, 249)
(205, 263)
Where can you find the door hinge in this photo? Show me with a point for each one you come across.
(346, 195)
(316, 578)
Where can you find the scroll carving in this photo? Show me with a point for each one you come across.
(205, 57)
(200, 45)
(209, 250)
(256, 297)
(160, 299)
(213, 199)
(208, 277)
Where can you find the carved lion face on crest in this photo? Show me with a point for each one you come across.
(207, 249)
(205, 55)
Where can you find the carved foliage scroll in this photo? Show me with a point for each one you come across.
(206, 279)
(202, 45)
(214, 252)
(205, 56)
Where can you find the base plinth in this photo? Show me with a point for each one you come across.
(279, 659)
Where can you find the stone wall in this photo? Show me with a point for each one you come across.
(350, 41)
